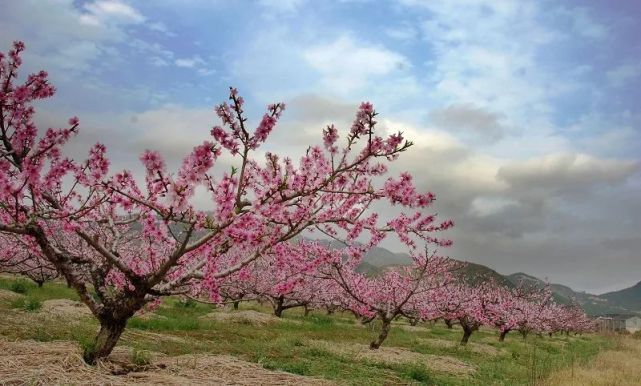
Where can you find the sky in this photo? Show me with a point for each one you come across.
(525, 114)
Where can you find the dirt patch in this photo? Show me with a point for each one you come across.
(65, 308)
(247, 317)
(38, 363)
(9, 296)
(478, 348)
(397, 355)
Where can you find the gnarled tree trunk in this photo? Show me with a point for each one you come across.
(502, 336)
(448, 323)
(376, 343)
(110, 331)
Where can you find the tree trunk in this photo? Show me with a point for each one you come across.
(330, 311)
(448, 323)
(278, 309)
(376, 343)
(105, 341)
(306, 310)
(236, 303)
(413, 321)
(467, 332)
(502, 336)
(524, 334)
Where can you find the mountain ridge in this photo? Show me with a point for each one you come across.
(625, 301)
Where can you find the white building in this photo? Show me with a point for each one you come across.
(633, 324)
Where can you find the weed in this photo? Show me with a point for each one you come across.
(297, 367)
(19, 287)
(140, 357)
(33, 305)
(27, 304)
(417, 372)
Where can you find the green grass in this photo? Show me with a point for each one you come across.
(140, 357)
(27, 304)
(178, 328)
(50, 290)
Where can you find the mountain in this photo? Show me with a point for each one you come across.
(620, 302)
(477, 273)
(381, 257)
(592, 304)
(629, 297)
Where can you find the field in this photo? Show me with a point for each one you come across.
(41, 338)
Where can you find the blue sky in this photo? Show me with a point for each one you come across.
(525, 114)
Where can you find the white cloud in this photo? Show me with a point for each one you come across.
(192, 62)
(60, 34)
(347, 64)
(282, 6)
(108, 11)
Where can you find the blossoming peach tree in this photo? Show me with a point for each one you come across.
(123, 243)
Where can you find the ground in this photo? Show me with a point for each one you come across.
(43, 331)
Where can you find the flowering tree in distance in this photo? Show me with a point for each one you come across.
(122, 244)
(410, 291)
(282, 277)
(19, 256)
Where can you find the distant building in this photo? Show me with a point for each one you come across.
(618, 323)
(633, 324)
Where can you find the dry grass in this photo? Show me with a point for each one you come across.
(410, 328)
(620, 366)
(9, 296)
(37, 363)
(396, 355)
(479, 348)
(65, 308)
(247, 317)
(149, 316)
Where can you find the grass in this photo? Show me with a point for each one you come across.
(179, 327)
(27, 304)
(619, 365)
(140, 357)
(50, 290)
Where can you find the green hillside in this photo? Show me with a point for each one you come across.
(629, 297)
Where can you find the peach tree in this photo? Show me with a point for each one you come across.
(122, 242)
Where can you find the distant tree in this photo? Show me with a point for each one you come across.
(19, 256)
(411, 291)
